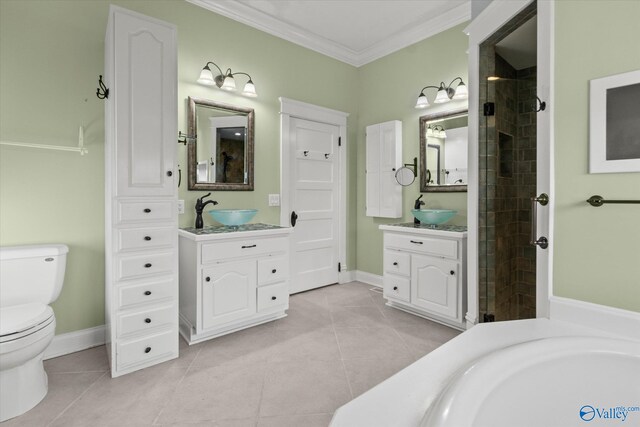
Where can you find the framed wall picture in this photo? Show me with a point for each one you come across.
(614, 123)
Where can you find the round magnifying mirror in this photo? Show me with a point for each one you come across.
(405, 176)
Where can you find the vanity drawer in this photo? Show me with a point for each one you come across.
(427, 245)
(397, 287)
(136, 211)
(145, 238)
(397, 263)
(145, 319)
(273, 269)
(147, 348)
(133, 266)
(273, 296)
(220, 251)
(131, 295)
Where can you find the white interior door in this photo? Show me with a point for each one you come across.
(314, 192)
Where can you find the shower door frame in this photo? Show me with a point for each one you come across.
(490, 20)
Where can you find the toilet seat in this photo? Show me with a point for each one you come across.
(22, 320)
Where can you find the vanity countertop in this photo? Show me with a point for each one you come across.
(214, 232)
(435, 230)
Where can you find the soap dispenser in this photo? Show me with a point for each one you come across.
(417, 205)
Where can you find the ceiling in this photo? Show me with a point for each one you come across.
(352, 31)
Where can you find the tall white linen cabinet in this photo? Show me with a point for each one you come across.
(141, 224)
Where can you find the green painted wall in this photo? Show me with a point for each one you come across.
(596, 250)
(51, 56)
(388, 90)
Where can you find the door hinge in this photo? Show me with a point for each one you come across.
(489, 109)
(339, 141)
(339, 267)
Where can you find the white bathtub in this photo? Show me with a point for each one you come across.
(536, 372)
(560, 381)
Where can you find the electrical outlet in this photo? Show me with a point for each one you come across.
(274, 200)
(180, 206)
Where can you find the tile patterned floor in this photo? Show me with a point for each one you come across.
(336, 343)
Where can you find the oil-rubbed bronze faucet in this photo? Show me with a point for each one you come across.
(417, 205)
(200, 204)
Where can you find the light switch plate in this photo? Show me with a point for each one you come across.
(180, 206)
(274, 200)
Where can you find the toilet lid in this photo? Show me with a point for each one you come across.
(19, 318)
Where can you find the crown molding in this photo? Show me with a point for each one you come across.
(254, 18)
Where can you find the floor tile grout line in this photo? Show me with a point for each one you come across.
(175, 390)
(77, 398)
(264, 380)
(344, 367)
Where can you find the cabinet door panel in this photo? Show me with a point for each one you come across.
(228, 293)
(434, 285)
(145, 97)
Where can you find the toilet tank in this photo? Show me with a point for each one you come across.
(33, 273)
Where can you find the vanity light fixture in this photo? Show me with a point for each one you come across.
(226, 81)
(445, 93)
(436, 131)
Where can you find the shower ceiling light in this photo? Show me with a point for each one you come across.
(445, 93)
(226, 81)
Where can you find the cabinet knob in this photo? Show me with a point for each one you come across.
(147, 320)
(169, 173)
(147, 350)
(207, 279)
(452, 272)
(147, 293)
(147, 265)
(147, 238)
(147, 210)
(395, 263)
(395, 288)
(273, 298)
(274, 271)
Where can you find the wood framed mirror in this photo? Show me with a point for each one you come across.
(443, 151)
(221, 146)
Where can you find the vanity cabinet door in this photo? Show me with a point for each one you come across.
(434, 285)
(228, 293)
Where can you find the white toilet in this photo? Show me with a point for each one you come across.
(31, 278)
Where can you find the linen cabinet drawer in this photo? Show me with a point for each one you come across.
(136, 211)
(397, 287)
(143, 320)
(147, 348)
(272, 296)
(145, 238)
(273, 269)
(397, 263)
(215, 252)
(130, 295)
(427, 245)
(132, 266)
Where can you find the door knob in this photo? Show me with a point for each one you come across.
(294, 218)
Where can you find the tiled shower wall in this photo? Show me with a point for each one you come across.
(507, 182)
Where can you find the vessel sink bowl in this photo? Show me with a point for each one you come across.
(233, 217)
(433, 216)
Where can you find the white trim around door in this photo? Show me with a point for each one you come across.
(497, 14)
(289, 109)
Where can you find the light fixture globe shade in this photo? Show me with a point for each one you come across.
(443, 134)
(429, 131)
(442, 96)
(250, 90)
(206, 78)
(229, 83)
(422, 101)
(461, 92)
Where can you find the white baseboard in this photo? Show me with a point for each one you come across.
(346, 276)
(368, 278)
(75, 341)
(613, 320)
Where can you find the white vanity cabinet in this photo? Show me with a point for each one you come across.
(232, 280)
(141, 224)
(425, 271)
